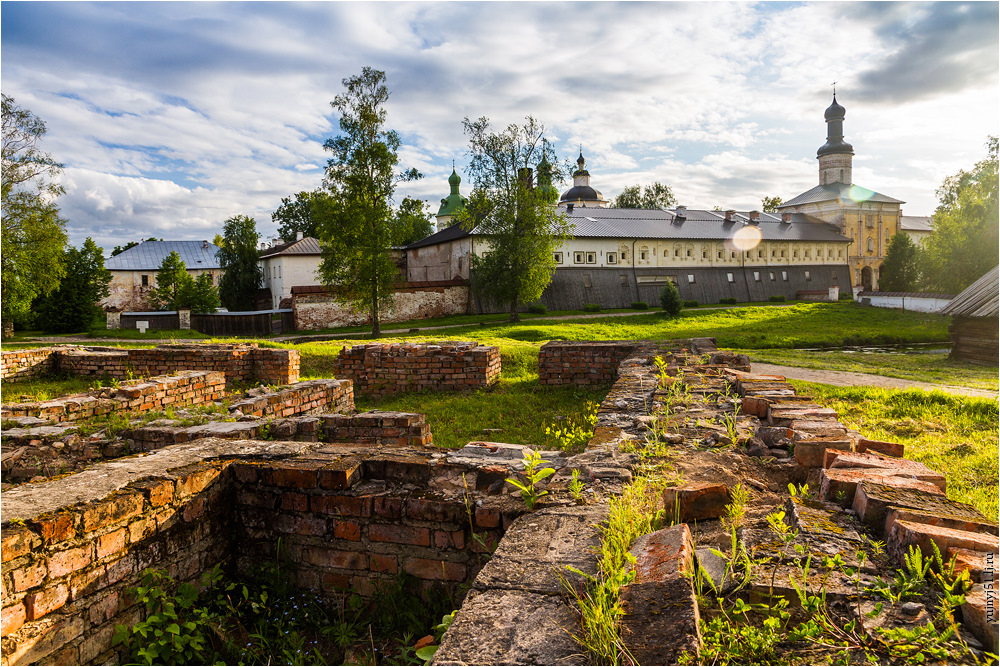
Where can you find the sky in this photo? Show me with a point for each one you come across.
(170, 118)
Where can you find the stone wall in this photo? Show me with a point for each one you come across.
(315, 308)
(380, 369)
(241, 362)
(597, 363)
(184, 389)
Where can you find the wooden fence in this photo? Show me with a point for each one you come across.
(254, 323)
(165, 319)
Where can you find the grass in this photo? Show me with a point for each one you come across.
(43, 389)
(952, 434)
(933, 367)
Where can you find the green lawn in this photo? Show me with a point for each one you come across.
(922, 367)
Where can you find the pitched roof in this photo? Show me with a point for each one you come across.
(916, 223)
(980, 299)
(452, 233)
(305, 246)
(840, 191)
(149, 255)
(696, 224)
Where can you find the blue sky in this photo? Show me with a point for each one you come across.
(171, 117)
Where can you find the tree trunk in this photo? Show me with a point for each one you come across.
(515, 317)
(376, 329)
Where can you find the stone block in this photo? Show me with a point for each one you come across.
(695, 501)
(785, 416)
(12, 618)
(811, 453)
(902, 534)
(662, 554)
(340, 475)
(981, 565)
(872, 501)
(897, 467)
(974, 525)
(839, 485)
(806, 429)
(980, 614)
(660, 621)
(885, 448)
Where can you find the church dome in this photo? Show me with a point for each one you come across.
(581, 192)
(835, 111)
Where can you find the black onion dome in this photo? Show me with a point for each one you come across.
(835, 111)
(581, 193)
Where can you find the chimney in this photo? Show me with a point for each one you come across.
(569, 207)
(263, 245)
(786, 217)
(298, 236)
(754, 217)
(730, 215)
(681, 212)
(275, 242)
(204, 245)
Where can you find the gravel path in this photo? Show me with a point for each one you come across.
(849, 379)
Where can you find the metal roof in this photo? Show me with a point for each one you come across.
(980, 299)
(696, 224)
(149, 255)
(452, 233)
(304, 246)
(839, 191)
(916, 223)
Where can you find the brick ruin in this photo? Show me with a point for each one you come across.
(381, 369)
(355, 498)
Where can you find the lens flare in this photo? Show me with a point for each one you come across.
(859, 194)
(747, 238)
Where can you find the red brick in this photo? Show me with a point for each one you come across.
(294, 478)
(111, 543)
(342, 505)
(55, 527)
(901, 534)
(29, 576)
(426, 568)
(381, 532)
(335, 582)
(971, 524)
(12, 618)
(979, 614)
(104, 609)
(487, 517)
(195, 478)
(383, 563)
(106, 513)
(887, 466)
(840, 484)
(71, 560)
(15, 541)
(345, 560)
(87, 582)
(41, 603)
(388, 507)
(139, 530)
(340, 475)
(886, 448)
(422, 509)
(974, 562)
(812, 453)
(449, 539)
(158, 492)
(663, 554)
(347, 530)
(296, 502)
(194, 509)
(695, 500)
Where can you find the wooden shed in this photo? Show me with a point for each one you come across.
(975, 325)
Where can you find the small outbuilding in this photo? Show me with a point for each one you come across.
(975, 321)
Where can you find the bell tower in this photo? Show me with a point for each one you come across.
(836, 155)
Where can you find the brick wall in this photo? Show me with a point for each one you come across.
(599, 362)
(187, 388)
(66, 574)
(16, 364)
(380, 369)
(241, 362)
(311, 397)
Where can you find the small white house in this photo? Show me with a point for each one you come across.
(133, 272)
(289, 264)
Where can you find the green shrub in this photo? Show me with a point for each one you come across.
(730, 300)
(846, 295)
(591, 308)
(670, 299)
(640, 305)
(537, 308)
(691, 304)
(776, 298)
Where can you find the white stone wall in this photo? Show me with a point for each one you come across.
(921, 304)
(321, 311)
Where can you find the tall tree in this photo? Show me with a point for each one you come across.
(965, 242)
(771, 204)
(900, 271)
(242, 275)
(300, 213)
(73, 306)
(358, 228)
(413, 221)
(33, 233)
(175, 288)
(519, 227)
(654, 196)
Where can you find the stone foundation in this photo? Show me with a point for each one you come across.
(381, 369)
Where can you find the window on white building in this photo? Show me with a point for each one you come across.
(690, 279)
(578, 257)
(730, 278)
(784, 276)
(557, 256)
(591, 258)
(612, 258)
(756, 276)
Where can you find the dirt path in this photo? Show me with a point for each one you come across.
(849, 379)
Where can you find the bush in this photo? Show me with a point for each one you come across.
(777, 298)
(729, 300)
(691, 304)
(537, 309)
(640, 305)
(670, 299)
(591, 308)
(847, 295)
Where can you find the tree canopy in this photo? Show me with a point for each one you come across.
(237, 255)
(965, 242)
(359, 227)
(72, 307)
(33, 232)
(300, 213)
(519, 227)
(413, 222)
(175, 288)
(771, 204)
(900, 270)
(654, 196)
